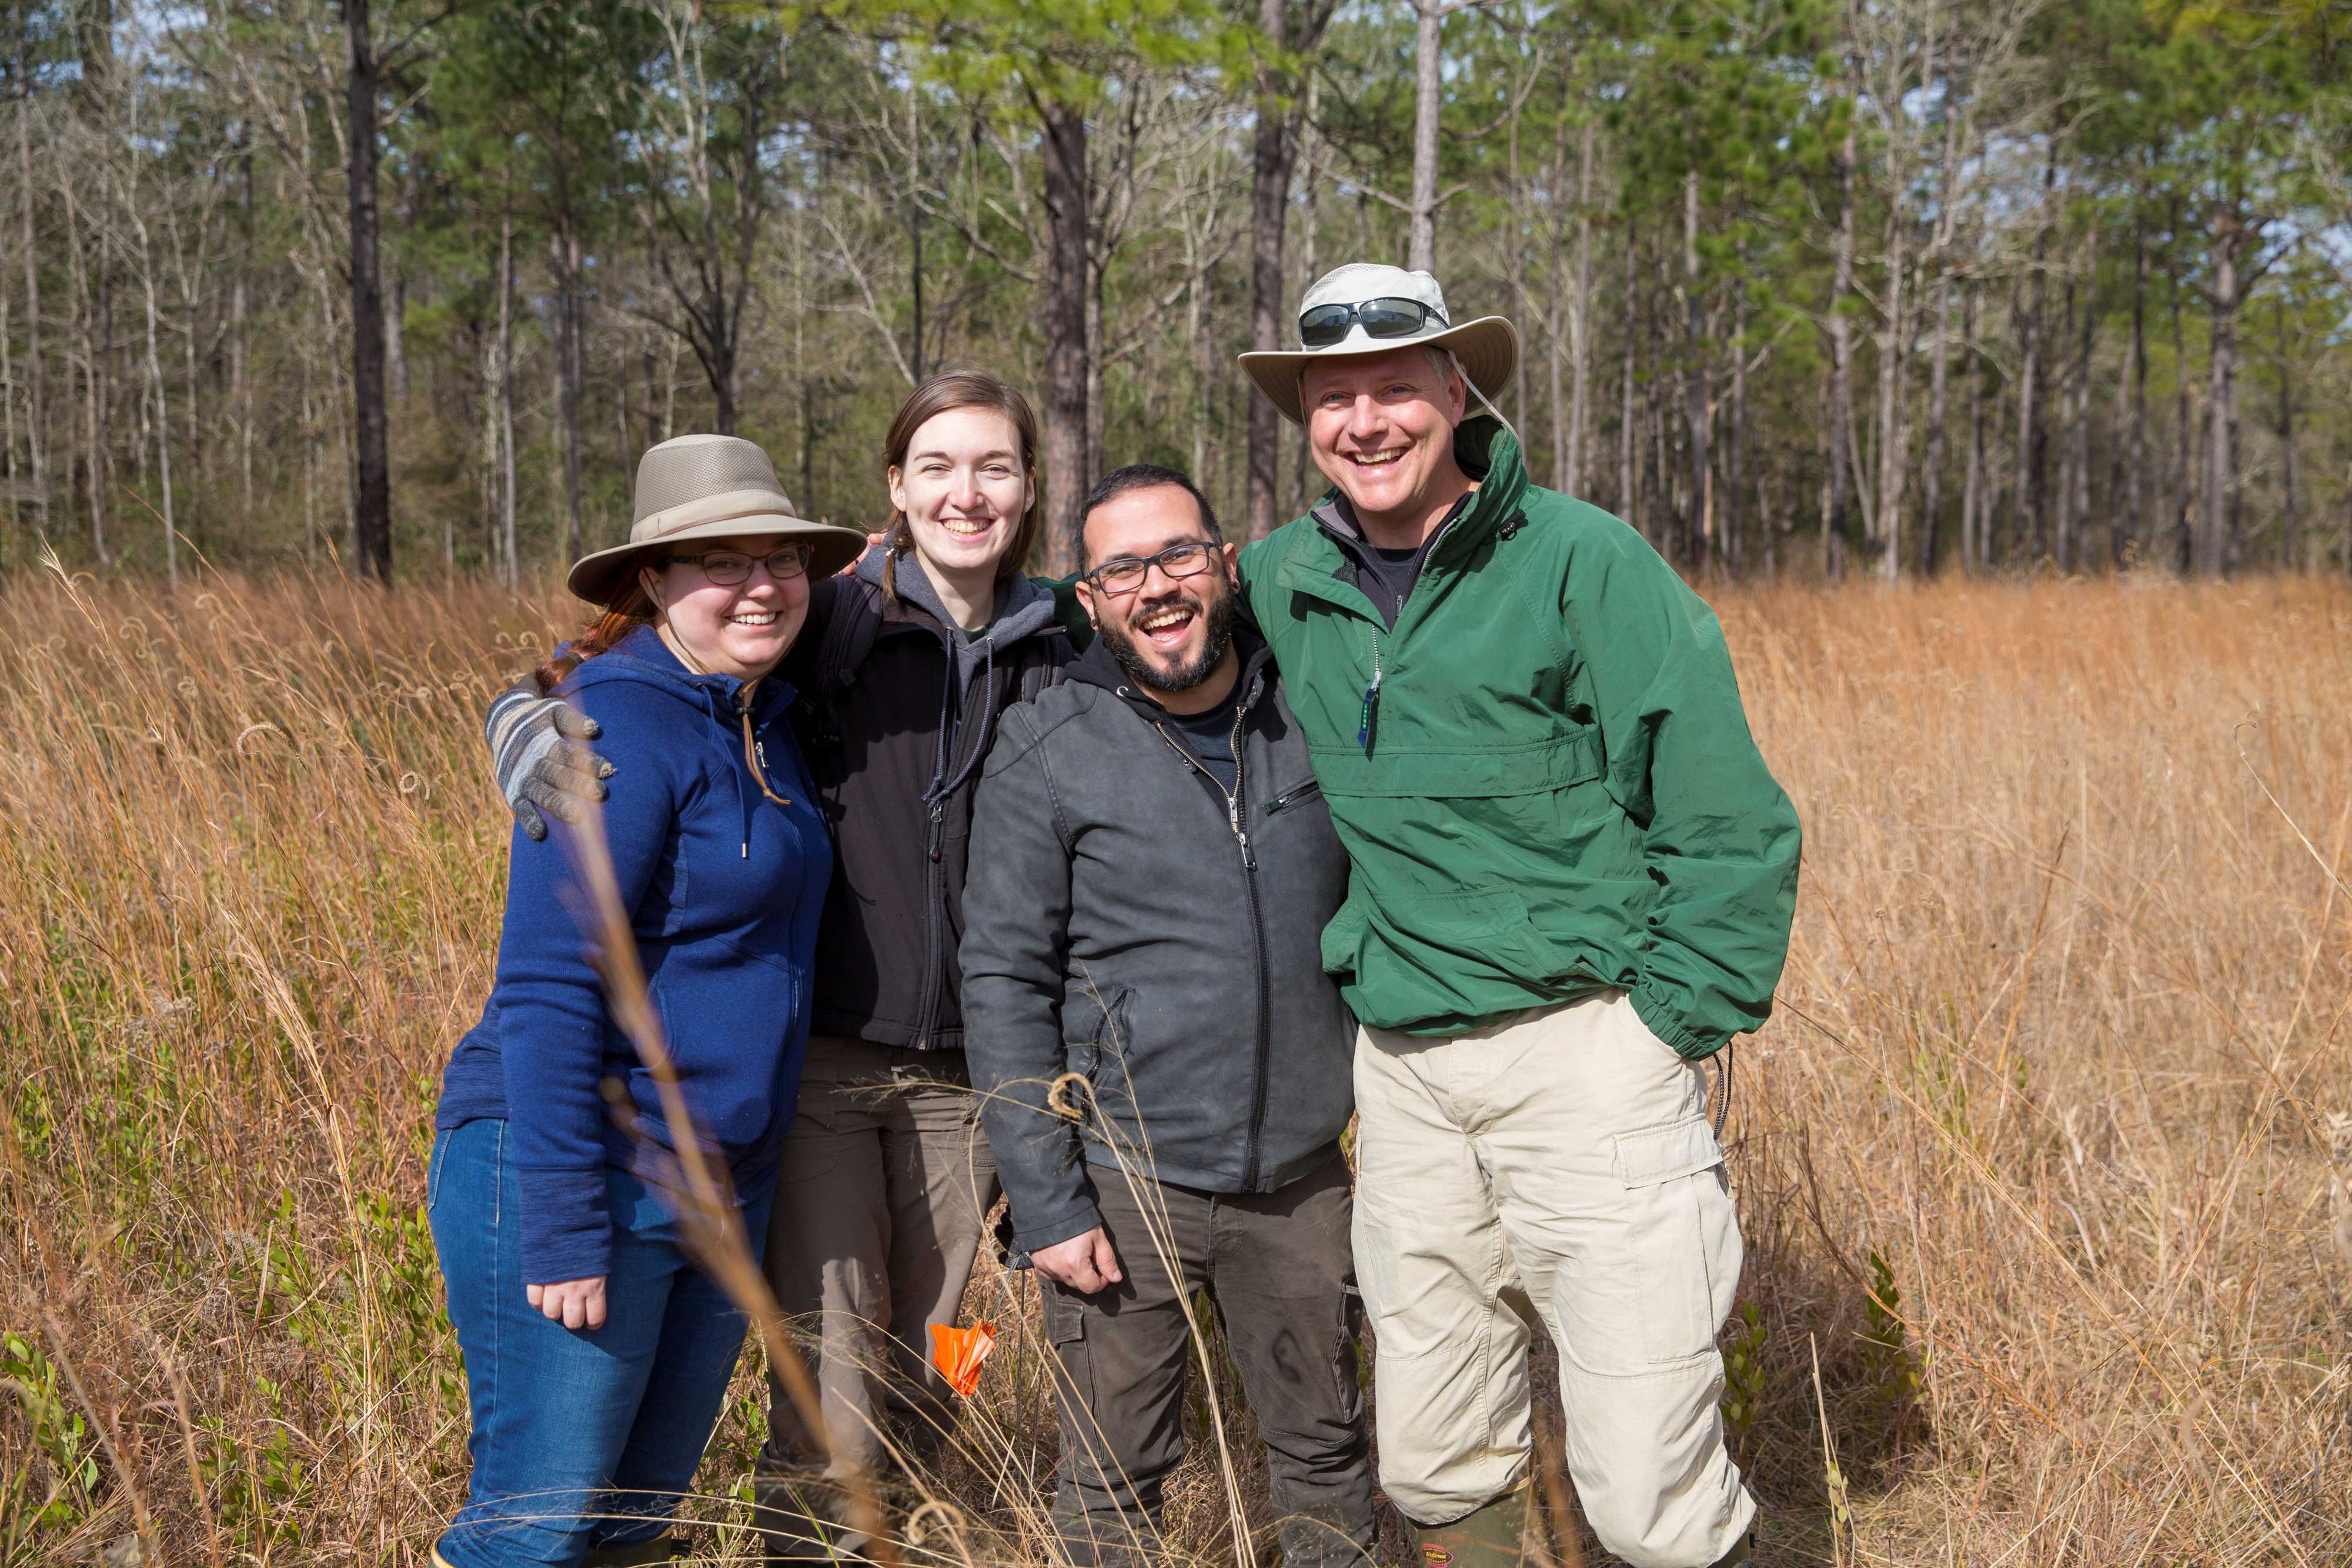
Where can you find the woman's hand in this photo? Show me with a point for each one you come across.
(574, 1303)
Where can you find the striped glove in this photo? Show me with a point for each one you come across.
(539, 757)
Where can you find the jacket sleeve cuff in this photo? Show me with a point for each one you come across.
(1689, 1043)
(1077, 1222)
(567, 1231)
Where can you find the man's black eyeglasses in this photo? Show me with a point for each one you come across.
(1394, 318)
(729, 568)
(1126, 574)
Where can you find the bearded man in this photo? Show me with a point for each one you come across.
(1162, 1061)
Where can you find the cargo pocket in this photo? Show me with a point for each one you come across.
(1074, 1382)
(1685, 1238)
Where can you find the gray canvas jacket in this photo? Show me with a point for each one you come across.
(1127, 922)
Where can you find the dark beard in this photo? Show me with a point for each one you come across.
(1216, 613)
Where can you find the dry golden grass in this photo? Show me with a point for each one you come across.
(2036, 1158)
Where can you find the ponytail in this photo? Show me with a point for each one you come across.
(623, 616)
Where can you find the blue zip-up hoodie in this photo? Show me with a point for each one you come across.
(724, 888)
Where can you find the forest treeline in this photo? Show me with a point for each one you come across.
(1825, 286)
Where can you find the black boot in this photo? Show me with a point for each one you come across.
(1740, 1556)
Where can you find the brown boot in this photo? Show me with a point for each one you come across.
(1494, 1536)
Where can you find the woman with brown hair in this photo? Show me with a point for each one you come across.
(906, 663)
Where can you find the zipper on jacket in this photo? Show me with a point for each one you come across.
(1234, 821)
(927, 1017)
(1291, 797)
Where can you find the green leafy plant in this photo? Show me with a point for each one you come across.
(60, 1436)
(1743, 1373)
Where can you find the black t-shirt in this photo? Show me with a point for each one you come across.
(1208, 737)
(1387, 576)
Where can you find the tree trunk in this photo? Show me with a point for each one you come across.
(2136, 444)
(1894, 446)
(2069, 405)
(1699, 521)
(1273, 151)
(1973, 509)
(1309, 253)
(1428, 37)
(510, 557)
(1577, 408)
(2290, 517)
(1095, 409)
(1063, 146)
(1556, 316)
(371, 496)
(915, 234)
(2222, 293)
(2032, 517)
(1205, 367)
(1931, 479)
(1841, 366)
(36, 430)
(1735, 454)
(2082, 500)
(570, 360)
(95, 476)
(1629, 504)
(2184, 532)
(163, 406)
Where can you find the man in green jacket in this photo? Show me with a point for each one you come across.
(1572, 879)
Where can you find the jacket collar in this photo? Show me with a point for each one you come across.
(1487, 451)
(1097, 667)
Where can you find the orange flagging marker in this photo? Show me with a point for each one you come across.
(958, 1353)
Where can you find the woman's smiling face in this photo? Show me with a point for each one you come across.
(741, 629)
(963, 488)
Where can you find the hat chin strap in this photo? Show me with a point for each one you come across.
(1455, 360)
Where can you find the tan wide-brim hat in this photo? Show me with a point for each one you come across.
(706, 487)
(1488, 346)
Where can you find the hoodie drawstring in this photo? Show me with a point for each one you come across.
(752, 759)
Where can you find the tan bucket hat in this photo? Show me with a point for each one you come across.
(707, 487)
(1489, 347)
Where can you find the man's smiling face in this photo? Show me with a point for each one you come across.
(1381, 425)
(1168, 634)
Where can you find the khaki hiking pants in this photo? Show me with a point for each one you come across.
(1557, 1168)
(884, 1181)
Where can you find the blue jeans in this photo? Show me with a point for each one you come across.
(581, 1438)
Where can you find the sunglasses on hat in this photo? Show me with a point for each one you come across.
(1323, 325)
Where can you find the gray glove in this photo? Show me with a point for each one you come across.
(538, 757)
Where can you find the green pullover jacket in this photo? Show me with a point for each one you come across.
(1543, 775)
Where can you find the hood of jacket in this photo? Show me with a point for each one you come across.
(1022, 609)
(643, 657)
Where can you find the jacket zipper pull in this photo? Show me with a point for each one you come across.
(1370, 710)
(939, 809)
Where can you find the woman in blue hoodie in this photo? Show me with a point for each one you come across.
(597, 1354)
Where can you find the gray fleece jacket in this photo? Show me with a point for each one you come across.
(1127, 922)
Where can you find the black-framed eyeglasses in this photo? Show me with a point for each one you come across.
(1126, 574)
(729, 568)
(1325, 325)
